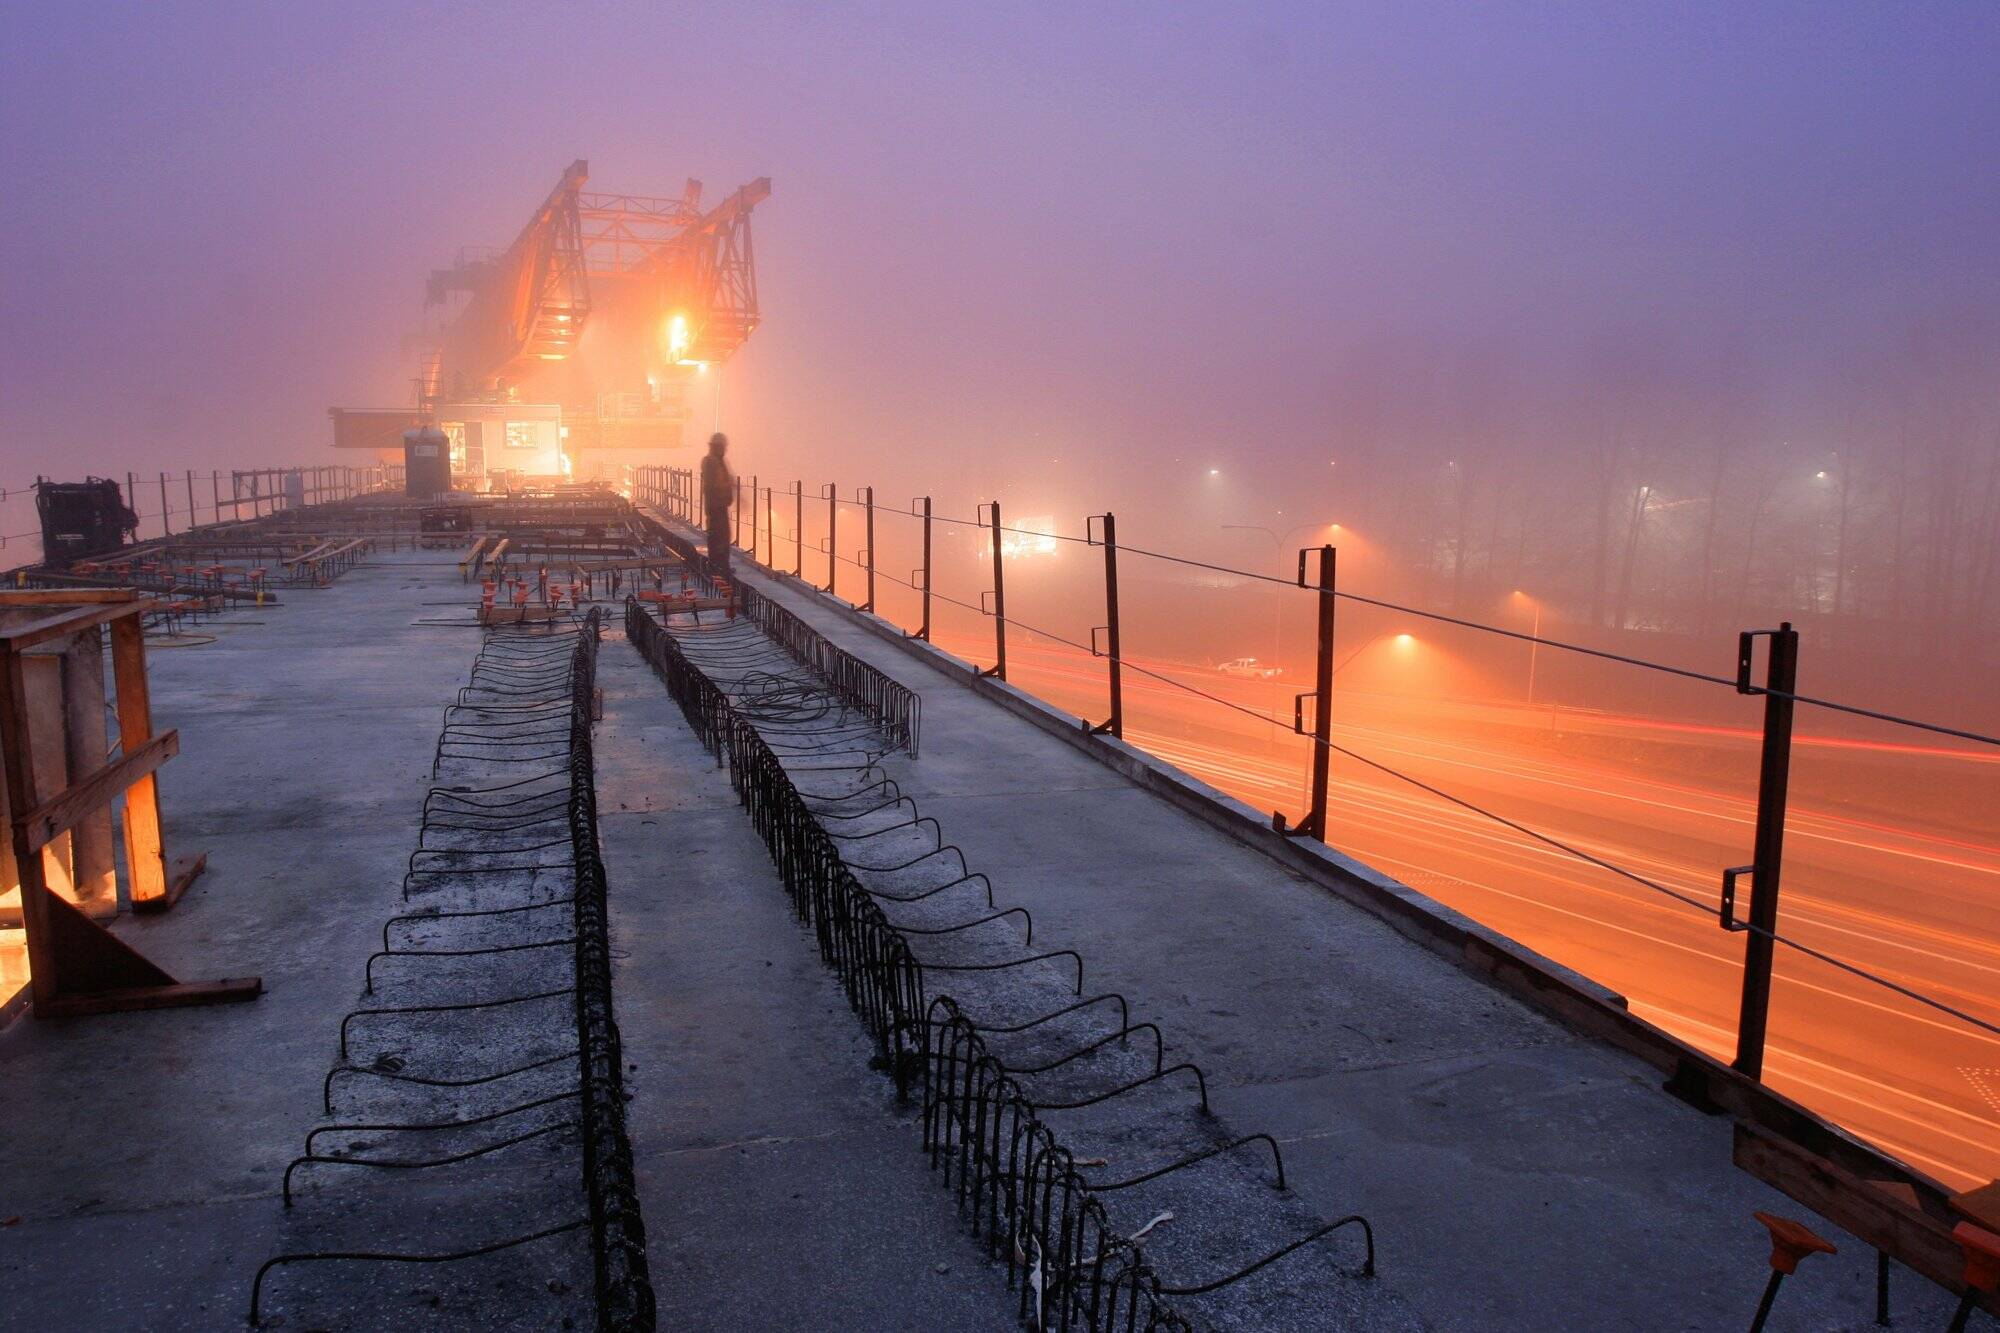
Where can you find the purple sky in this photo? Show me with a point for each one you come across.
(1105, 235)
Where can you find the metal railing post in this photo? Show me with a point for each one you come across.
(166, 510)
(832, 534)
(736, 516)
(1314, 824)
(215, 494)
(999, 668)
(1781, 674)
(770, 527)
(752, 548)
(1323, 689)
(924, 632)
(868, 499)
(799, 531)
(1115, 724)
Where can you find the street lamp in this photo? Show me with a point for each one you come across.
(1534, 643)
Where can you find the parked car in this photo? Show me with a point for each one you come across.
(1249, 668)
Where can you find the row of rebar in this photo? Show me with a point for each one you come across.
(895, 708)
(986, 1111)
(509, 886)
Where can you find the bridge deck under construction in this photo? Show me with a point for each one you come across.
(1514, 1172)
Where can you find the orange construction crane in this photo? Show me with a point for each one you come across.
(665, 272)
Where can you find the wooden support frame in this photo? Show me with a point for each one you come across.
(75, 965)
(1911, 1224)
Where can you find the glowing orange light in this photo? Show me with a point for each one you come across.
(1406, 640)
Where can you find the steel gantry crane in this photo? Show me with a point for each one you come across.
(604, 305)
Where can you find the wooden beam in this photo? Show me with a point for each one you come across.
(66, 596)
(145, 849)
(18, 765)
(174, 995)
(182, 871)
(1917, 1237)
(65, 810)
(67, 623)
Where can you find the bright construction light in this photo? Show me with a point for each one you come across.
(678, 338)
(1031, 536)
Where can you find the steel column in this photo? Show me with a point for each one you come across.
(1115, 724)
(832, 542)
(999, 668)
(868, 499)
(925, 632)
(1315, 821)
(1781, 674)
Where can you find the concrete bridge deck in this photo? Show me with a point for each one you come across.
(1519, 1175)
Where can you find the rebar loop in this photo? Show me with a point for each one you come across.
(983, 1124)
(530, 703)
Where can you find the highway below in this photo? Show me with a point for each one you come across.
(1889, 867)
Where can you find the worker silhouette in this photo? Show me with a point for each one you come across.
(718, 491)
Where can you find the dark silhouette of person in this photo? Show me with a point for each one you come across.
(718, 492)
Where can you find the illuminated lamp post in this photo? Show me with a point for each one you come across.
(1535, 643)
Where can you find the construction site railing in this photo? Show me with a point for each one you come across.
(672, 491)
(167, 503)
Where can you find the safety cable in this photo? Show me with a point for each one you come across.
(1545, 839)
(1439, 617)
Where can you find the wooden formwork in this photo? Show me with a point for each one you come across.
(75, 966)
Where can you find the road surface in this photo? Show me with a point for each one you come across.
(1909, 890)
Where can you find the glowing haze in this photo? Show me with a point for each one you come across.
(1083, 255)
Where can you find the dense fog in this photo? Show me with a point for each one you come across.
(1677, 321)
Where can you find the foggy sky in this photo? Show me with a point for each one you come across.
(1134, 239)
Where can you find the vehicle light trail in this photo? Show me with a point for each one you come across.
(1914, 904)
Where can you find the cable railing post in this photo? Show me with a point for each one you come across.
(215, 494)
(1781, 674)
(999, 668)
(1114, 651)
(868, 499)
(770, 528)
(752, 548)
(832, 542)
(924, 632)
(799, 531)
(192, 520)
(1314, 824)
(166, 510)
(736, 516)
